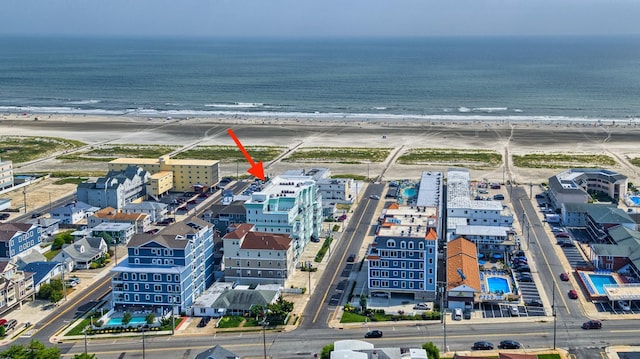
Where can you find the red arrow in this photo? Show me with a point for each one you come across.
(256, 168)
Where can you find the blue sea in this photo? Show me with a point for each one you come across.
(521, 78)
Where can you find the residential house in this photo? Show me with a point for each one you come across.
(621, 252)
(6, 174)
(43, 272)
(463, 274)
(116, 189)
(287, 205)
(82, 252)
(217, 352)
(156, 211)
(48, 226)
(358, 349)
(231, 299)
(252, 257)
(16, 286)
(139, 221)
(222, 216)
(17, 238)
(173, 174)
(120, 233)
(169, 269)
(73, 213)
(572, 185)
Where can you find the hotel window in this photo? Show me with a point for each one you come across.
(136, 287)
(136, 298)
(147, 297)
(157, 277)
(395, 273)
(126, 286)
(157, 288)
(403, 284)
(157, 298)
(395, 263)
(403, 244)
(391, 243)
(125, 276)
(421, 245)
(395, 283)
(133, 276)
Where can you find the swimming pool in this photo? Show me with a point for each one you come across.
(498, 284)
(600, 280)
(410, 192)
(635, 200)
(134, 321)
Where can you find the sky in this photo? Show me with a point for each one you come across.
(319, 18)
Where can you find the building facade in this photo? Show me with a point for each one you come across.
(116, 189)
(288, 205)
(139, 221)
(17, 238)
(573, 185)
(185, 173)
(257, 257)
(6, 174)
(156, 211)
(73, 213)
(16, 286)
(166, 270)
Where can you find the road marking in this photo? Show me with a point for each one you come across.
(335, 273)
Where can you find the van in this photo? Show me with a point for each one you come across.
(457, 314)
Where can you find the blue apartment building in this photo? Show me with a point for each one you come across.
(166, 270)
(17, 238)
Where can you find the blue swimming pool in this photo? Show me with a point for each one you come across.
(498, 284)
(600, 280)
(134, 321)
(635, 200)
(410, 192)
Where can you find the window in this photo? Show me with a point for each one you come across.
(391, 243)
(136, 287)
(134, 276)
(157, 298)
(157, 288)
(136, 298)
(125, 276)
(157, 277)
(143, 276)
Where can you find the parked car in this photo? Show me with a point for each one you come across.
(520, 260)
(4, 216)
(534, 303)
(422, 306)
(624, 305)
(373, 334)
(540, 195)
(467, 313)
(523, 269)
(509, 344)
(592, 324)
(36, 215)
(564, 277)
(514, 311)
(457, 314)
(482, 346)
(498, 197)
(526, 279)
(520, 254)
(11, 324)
(565, 242)
(573, 294)
(152, 231)
(374, 196)
(556, 229)
(562, 235)
(3, 321)
(351, 258)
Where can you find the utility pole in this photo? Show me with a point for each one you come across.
(553, 312)
(309, 269)
(24, 193)
(143, 348)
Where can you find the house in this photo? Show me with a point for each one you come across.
(120, 233)
(573, 185)
(172, 174)
(17, 238)
(252, 257)
(224, 215)
(621, 252)
(43, 272)
(156, 211)
(48, 226)
(287, 205)
(231, 299)
(217, 352)
(169, 269)
(82, 252)
(16, 286)
(463, 273)
(358, 349)
(139, 221)
(116, 189)
(73, 213)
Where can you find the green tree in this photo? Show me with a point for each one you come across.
(256, 311)
(85, 356)
(150, 318)
(432, 350)
(56, 284)
(55, 297)
(57, 243)
(326, 351)
(35, 350)
(3, 330)
(363, 303)
(126, 318)
(45, 291)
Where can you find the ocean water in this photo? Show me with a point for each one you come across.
(536, 78)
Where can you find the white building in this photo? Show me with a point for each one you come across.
(155, 210)
(462, 209)
(288, 205)
(572, 185)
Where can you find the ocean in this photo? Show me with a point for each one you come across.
(515, 78)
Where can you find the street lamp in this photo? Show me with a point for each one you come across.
(264, 332)
(84, 331)
(553, 312)
(24, 193)
(143, 348)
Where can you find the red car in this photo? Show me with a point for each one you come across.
(573, 294)
(564, 277)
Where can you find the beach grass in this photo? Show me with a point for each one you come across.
(107, 153)
(231, 153)
(352, 176)
(562, 160)
(635, 161)
(71, 180)
(471, 158)
(346, 155)
(27, 148)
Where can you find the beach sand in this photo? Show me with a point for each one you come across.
(615, 139)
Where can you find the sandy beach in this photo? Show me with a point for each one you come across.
(618, 140)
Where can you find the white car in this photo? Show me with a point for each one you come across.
(624, 305)
(421, 306)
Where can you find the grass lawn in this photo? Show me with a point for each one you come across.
(349, 317)
(477, 158)
(562, 160)
(51, 254)
(72, 180)
(25, 148)
(231, 153)
(349, 155)
(230, 322)
(77, 330)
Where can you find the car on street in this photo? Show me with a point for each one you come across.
(592, 324)
(4, 216)
(482, 346)
(509, 344)
(374, 196)
(36, 215)
(351, 258)
(534, 303)
(564, 277)
(573, 294)
(373, 334)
